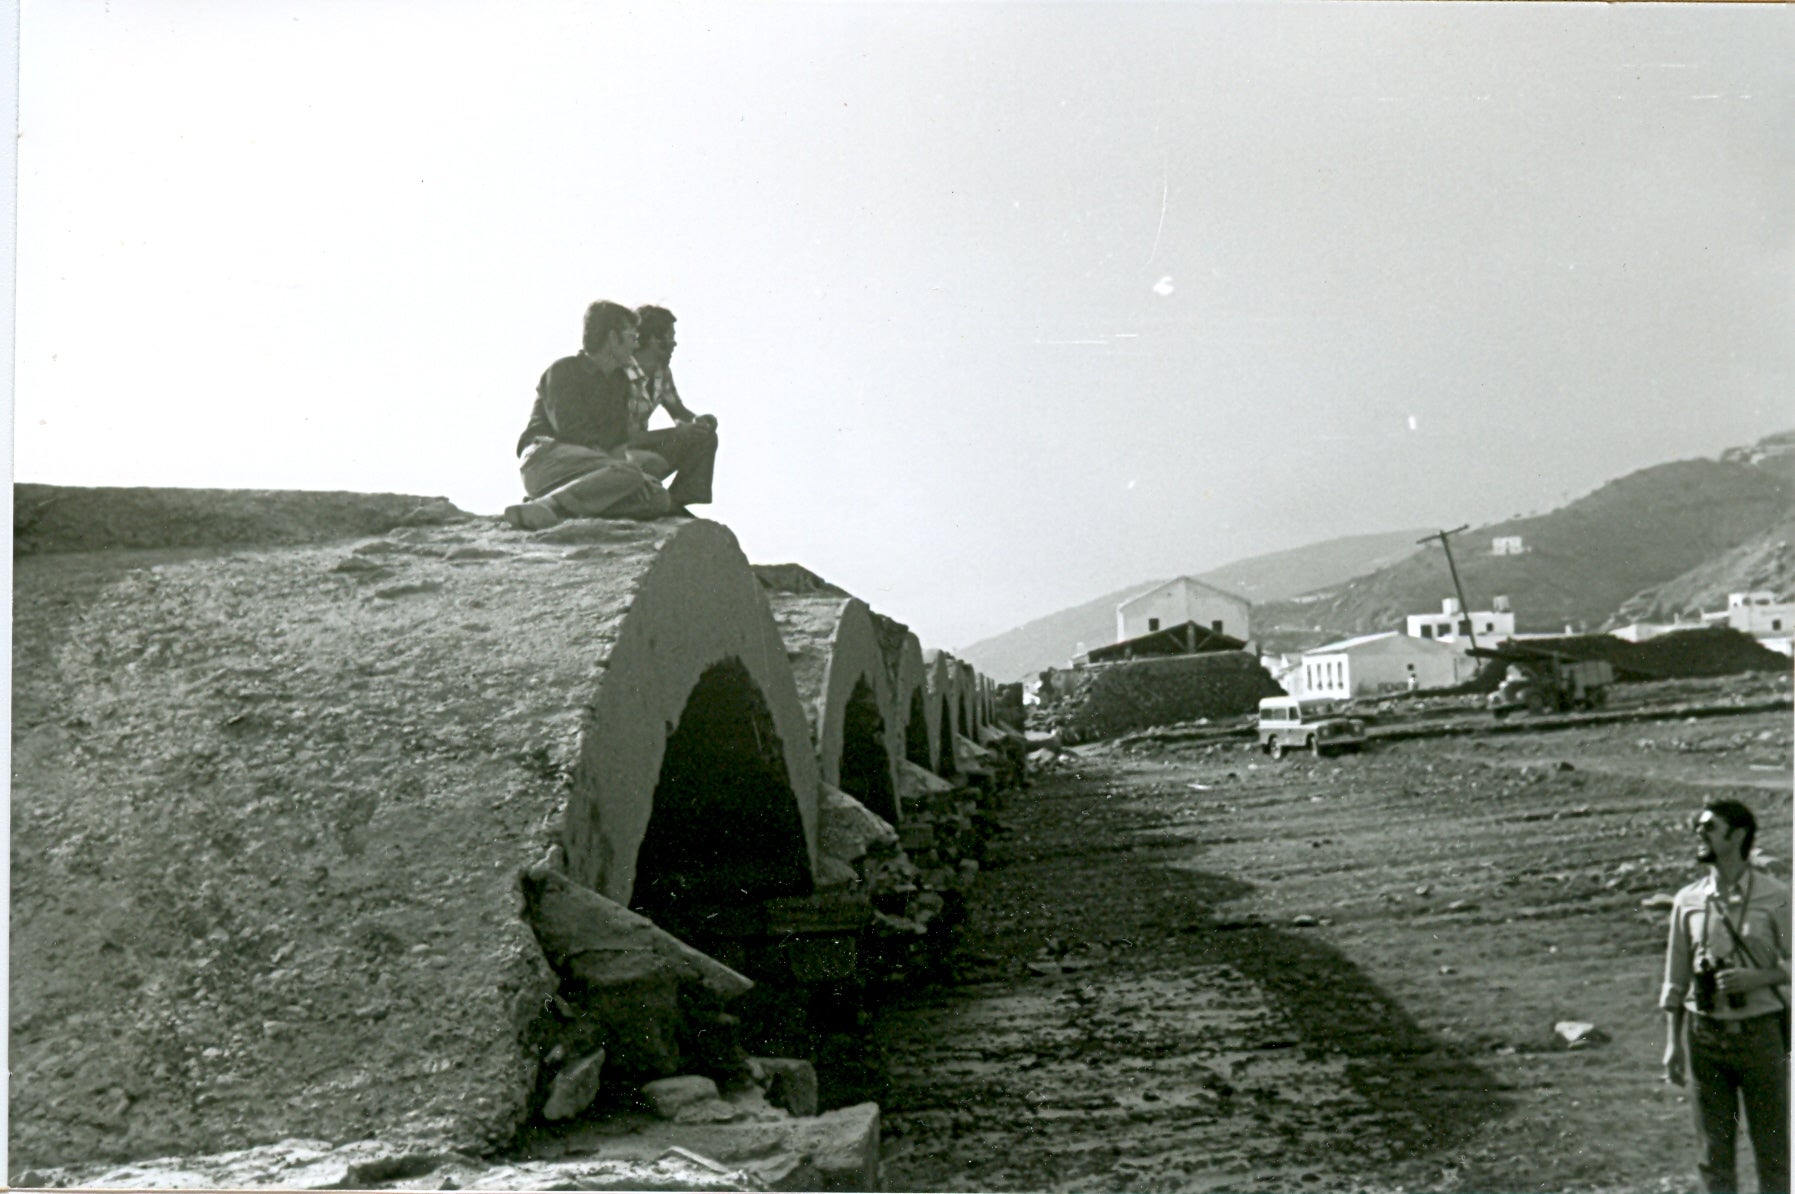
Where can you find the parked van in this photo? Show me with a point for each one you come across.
(1286, 723)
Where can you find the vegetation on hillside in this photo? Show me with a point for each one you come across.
(1580, 563)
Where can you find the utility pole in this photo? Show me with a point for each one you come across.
(1464, 607)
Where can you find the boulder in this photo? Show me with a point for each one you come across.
(791, 1083)
(687, 1098)
(603, 943)
(846, 829)
(574, 1088)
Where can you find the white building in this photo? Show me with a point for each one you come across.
(1377, 663)
(1451, 624)
(1179, 601)
(1507, 545)
(1760, 614)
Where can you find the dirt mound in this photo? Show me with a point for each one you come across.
(1710, 651)
(1680, 655)
(1103, 700)
(58, 518)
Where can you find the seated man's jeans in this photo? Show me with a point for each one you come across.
(589, 484)
(688, 450)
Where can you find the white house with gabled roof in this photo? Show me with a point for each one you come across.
(1176, 602)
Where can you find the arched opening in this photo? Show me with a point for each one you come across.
(944, 764)
(725, 830)
(916, 733)
(865, 767)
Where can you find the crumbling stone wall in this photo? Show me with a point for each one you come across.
(296, 830)
(269, 808)
(919, 718)
(944, 683)
(833, 649)
(1106, 699)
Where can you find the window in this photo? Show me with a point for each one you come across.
(1426, 630)
(1489, 627)
(1152, 624)
(1216, 626)
(1776, 623)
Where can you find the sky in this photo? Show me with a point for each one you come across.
(1000, 306)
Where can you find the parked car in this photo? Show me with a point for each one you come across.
(1315, 725)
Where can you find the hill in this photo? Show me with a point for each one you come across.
(1050, 641)
(1765, 561)
(1580, 563)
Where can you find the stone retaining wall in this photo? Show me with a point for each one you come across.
(1106, 699)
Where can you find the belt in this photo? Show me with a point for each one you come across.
(1742, 1024)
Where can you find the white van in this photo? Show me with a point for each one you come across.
(1286, 723)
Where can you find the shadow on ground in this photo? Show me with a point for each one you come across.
(1106, 1025)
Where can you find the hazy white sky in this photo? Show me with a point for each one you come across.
(1000, 306)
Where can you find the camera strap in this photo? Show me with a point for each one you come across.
(1740, 942)
(1715, 906)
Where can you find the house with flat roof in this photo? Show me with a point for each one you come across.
(1452, 624)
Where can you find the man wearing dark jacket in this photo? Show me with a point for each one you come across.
(574, 452)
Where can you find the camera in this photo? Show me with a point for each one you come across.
(1707, 987)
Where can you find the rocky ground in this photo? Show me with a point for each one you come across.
(1190, 968)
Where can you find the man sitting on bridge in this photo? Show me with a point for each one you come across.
(689, 447)
(574, 452)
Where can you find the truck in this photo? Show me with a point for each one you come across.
(1548, 682)
(1287, 724)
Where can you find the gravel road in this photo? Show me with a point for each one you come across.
(1191, 968)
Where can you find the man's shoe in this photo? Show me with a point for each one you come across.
(532, 516)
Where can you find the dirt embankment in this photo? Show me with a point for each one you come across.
(1103, 700)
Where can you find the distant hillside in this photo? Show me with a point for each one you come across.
(1052, 640)
(1582, 561)
(1765, 561)
(1285, 574)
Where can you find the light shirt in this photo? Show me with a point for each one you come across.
(651, 388)
(1757, 907)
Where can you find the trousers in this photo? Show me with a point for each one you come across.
(589, 484)
(687, 450)
(1729, 1068)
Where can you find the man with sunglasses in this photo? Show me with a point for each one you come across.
(688, 449)
(1726, 973)
(574, 452)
